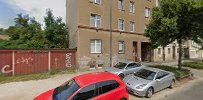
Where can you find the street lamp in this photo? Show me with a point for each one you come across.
(110, 23)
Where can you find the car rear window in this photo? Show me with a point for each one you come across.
(65, 91)
(120, 65)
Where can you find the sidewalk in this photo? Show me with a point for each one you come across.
(30, 89)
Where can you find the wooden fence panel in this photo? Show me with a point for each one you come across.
(21, 62)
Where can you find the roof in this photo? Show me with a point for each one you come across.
(154, 69)
(91, 78)
(128, 61)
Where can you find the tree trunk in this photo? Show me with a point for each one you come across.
(164, 57)
(180, 54)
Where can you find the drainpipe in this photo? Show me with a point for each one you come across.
(110, 23)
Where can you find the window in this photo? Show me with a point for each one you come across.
(121, 47)
(121, 24)
(121, 4)
(132, 26)
(161, 74)
(107, 86)
(132, 7)
(86, 93)
(132, 65)
(96, 1)
(95, 20)
(65, 91)
(96, 46)
(147, 12)
(169, 50)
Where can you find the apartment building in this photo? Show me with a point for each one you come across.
(89, 27)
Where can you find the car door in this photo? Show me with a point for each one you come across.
(87, 93)
(131, 68)
(108, 90)
(161, 80)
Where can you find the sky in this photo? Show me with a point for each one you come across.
(35, 8)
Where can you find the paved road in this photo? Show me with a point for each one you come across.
(193, 93)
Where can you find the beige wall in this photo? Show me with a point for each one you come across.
(72, 22)
(84, 55)
(79, 12)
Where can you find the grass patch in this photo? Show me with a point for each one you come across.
(179, 74)
(8, 79)
(195, 64)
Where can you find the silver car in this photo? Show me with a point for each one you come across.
(148, 80)
(124, 68)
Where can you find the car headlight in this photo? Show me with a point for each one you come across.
(141, 86)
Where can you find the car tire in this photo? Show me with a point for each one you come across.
(121, 76)
(123, 99)
(149, 92)
(172, 84)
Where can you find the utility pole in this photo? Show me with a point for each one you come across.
(110, 31)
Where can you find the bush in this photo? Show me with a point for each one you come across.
(196, 65)
(179, 74)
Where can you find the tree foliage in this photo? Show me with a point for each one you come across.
(2, 31)
(55, 31)
(28, 34)
(175, 20)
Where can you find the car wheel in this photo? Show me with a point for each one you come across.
(172, 84)
(149, 93)
(121, 76)
(123, 99)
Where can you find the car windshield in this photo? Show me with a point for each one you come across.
(120, 65)
(145, 74)
(65, 91)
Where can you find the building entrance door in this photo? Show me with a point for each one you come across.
(135, 53)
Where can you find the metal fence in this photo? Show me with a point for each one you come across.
(22, 62)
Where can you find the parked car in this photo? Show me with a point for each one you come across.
(96, 86)
(147, 81)
(124, 68)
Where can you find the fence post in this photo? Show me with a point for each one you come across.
(49, 61)
(13, 62)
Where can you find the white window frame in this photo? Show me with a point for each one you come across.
(121, 4)
(121, 47)
(95, 20)
(147, 12)
(132, 7)
(121, 24)
(95, 46)
(132, 26)
(96, 1)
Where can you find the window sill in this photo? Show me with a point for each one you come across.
(121, 53)
(96, 53)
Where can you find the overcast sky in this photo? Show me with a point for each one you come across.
(35, 8)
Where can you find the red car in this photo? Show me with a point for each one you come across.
(95, 86)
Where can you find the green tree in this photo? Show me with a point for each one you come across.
(2, 31)
(175, 20)
(56, 31)
(26, 33)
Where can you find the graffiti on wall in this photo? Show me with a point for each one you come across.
(68, 60)
(4, 71)
(24, 60)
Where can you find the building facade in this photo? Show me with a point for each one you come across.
(89, 27)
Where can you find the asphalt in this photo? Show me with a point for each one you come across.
(193, 93)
